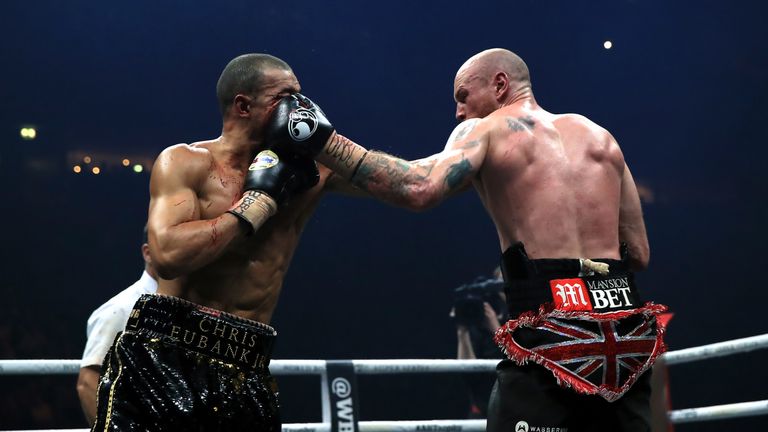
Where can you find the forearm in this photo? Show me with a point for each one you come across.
(385, 177)
(188, 246)
(87, 382)
(464, 350)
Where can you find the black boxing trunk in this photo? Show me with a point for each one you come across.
(591, 331)
(182, 366)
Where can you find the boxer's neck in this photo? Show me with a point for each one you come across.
(235, 149)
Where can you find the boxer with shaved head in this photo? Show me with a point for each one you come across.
(580, 339)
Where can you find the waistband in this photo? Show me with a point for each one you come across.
(530, 283)
(515, 264)
(204, 330)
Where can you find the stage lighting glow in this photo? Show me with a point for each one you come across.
(28, 133)
(77, 169)
(138, 168)
(607, 44)
(126, 162)
(96, 170)
(87, 159)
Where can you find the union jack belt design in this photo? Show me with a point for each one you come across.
(593, 336)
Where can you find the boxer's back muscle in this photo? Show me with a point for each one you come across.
(552, 182)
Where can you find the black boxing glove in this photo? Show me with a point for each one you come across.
(281, 175)
(271, 180)
(298, 126)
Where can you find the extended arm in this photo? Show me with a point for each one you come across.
(299, 126)
(416, 185)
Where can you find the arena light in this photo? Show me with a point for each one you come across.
(138, 168)
(96, 170)
(77, 169)
(87, 159)
(607, 44)
(126, 162)
(28, 133)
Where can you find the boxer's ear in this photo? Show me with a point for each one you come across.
(242, 105)
(500, 84)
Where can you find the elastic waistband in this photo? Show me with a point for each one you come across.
(207, 331)
(515, 264)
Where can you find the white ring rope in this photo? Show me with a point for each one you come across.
(364, 426)
(376, 367)
(716, 349)
(718, 412)
(370, 367)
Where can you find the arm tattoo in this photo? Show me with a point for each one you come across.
(427, 165)
(457, 173)
(341, 150)
(402, 165)
(390, 176)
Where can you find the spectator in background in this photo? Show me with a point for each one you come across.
(479, 308)
(103, 325)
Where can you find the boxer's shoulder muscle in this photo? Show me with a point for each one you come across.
(186, 164)
(582, 128)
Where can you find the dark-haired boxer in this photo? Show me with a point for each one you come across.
(225, 216)
(580, 339)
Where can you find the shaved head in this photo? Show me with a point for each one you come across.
(489, 80)
(485, 64)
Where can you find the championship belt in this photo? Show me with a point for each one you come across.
(593, 334)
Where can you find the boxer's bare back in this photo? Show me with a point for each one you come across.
(557, 183)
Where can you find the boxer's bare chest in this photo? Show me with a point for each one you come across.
(247, 278)
(222, 188)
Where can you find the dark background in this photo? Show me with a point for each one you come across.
(683, 90)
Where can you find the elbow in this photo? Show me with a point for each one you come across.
(422, 197)
(166, 263)
(639, 258)
(166, 268)
(86, 388)
(83, 391)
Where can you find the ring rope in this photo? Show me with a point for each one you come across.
(375, 367)
(689, 415)
(369, 367)
(718, 412)
(718, 349)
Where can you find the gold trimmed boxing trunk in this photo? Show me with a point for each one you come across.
(183, 366)
(592, 331)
